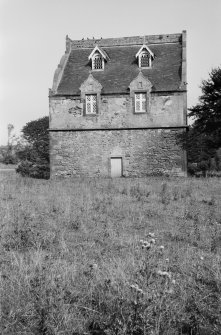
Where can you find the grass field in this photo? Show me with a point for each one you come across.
(126, 257)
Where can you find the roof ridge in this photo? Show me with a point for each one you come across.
(121, 41)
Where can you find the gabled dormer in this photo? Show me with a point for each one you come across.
(98, 58)
(140, 89)
(144, 57)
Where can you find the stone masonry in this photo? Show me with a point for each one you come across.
(144, 152)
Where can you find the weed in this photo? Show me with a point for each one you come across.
(141, 194)
(164, 194)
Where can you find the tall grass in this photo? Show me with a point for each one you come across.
(128, 256)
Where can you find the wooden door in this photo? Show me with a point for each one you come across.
(116, 167)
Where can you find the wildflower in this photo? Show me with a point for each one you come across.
(146, 245)
(151, 235)
(170, 291)
(93, 266)
(164, 274)
(141, 241)
(173, 281)
(161, 247)
(202, 258)
(152, 240)
(166, 259)
(136, 287)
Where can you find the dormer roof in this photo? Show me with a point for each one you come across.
(97, 49)
(144, 47)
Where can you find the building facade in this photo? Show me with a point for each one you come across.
(118, 106)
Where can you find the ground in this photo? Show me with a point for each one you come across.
(122, 256)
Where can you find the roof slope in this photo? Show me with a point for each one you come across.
(121, 68)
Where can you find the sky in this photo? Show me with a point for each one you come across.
(32, 41)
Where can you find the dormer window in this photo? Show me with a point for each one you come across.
(97, 62)
(145, 57)
(140, 93)
(98, 57)
(91, 96)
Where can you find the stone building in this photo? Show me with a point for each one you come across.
(117, 106)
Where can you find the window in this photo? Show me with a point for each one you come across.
(91, 96)
(140, 102)
(144, 59)
(98, 58)
(91, 104)
(97, 62)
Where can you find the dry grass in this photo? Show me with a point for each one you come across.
(72, 260)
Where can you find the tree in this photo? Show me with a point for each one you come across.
(34, 158)
(204, 137)
(207, 112)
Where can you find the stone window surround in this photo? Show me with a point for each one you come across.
(98, 100)
(91, 87)
(147, 96)
(140, 84)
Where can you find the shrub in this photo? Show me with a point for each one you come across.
(34, 157)
(40, 170)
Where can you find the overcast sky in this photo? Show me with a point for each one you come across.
(32, 41)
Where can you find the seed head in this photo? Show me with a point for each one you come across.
(136, 288)
(164, 274)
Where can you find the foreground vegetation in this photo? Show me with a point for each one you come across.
(128, 256)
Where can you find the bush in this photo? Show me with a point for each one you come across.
(9, 158)
(29, 169)
(34, 157)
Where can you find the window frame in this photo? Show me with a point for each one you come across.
(91, 104)
(141, 111)
(142, 50)
(96, 54)
(149, 58)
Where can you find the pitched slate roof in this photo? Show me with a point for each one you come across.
(122, 67)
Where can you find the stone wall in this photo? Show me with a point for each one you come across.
(144, 152)
(116, 111)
